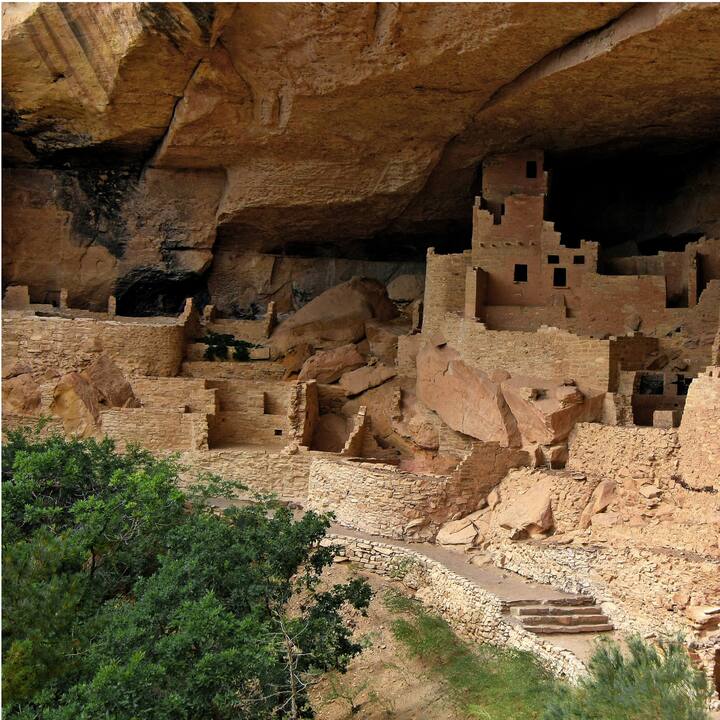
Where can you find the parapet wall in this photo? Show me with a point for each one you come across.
(151, 346)
(474, 613)
(645, 454)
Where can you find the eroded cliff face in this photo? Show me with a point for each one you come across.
(139, 135)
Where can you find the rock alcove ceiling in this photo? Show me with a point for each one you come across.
(138, 136)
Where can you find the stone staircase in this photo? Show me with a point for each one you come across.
(574, 614)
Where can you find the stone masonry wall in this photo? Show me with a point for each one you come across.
(156, 430)
(472, 612)
(700, 431)
(282, 472)
(645, 454)
(383, 500)
(444, 287)
(147, 347)
(547, 353)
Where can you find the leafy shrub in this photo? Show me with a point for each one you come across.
(125, 597)
(219, 344)
(647, 683)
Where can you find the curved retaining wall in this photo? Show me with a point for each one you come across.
(472, 612)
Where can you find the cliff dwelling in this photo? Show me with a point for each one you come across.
(451, 273)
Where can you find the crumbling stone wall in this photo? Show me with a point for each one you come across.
(151, 346)
(645, 454)
(384, 500)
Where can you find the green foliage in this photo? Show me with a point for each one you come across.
(486, 682)
(647, 683)
(127, 598)
(219, 344)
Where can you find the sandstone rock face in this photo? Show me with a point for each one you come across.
(364, 378)
(465, 398)
(531, 514)
(112, 389)
(20, 394)
(495, 407)
(336, 317)
(405, 288)
(383, 339)
(329, 365)
(271, 113)
(75, 401)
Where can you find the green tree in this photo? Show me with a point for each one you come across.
(647, 683)
(127, 598)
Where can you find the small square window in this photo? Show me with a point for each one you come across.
(520, 274)
(553, 259)
(531, 169)
(559, 277)
(579, 260)
(278, 432)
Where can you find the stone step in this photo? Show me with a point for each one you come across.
(569, 601)
(555, 630)
(564, 620)
(552, 610)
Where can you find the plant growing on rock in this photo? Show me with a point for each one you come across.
(219, 345)
(647, 683)
(126, 597)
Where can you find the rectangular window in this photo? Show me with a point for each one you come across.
(553, 259)
(520, 273)
(531, 169)
(579, 259)
(559, 277)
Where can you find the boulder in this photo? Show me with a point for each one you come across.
(546, 412)
(417, 423)
(600, 499)
(20, 395)
(383, 339)
(327, 366)
(362, 379)
(295, 358)
(464, 397)
(457, 532)
(530, 514)
(15, 369)
(112, 389)
(75, 402)
(335, 317)
(405, 288)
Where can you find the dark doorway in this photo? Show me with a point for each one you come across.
(559, 277)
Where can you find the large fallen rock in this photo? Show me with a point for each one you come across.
(545, 411)
(383, 339)
(336, 317)
(417, 423)
(20, 395)
(75, 402)
(78, 398)
(364, 378)
(327, 366)
(464, 397)
(405, 288)
(111, 386)
(470, 530)
(530, 514)
(602, 496)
